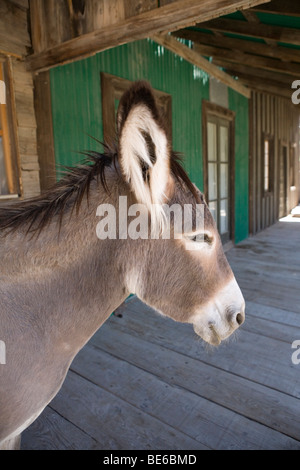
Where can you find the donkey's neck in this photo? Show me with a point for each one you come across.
(69, 283)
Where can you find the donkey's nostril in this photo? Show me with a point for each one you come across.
(240, 318)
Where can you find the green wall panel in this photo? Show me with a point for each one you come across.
(239, 104)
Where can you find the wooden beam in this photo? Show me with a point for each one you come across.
(178, 14)
(266, 63)
(169, 42)
(267, 86)
(251, 17)
(261, 31)
(281, 7)
(283, 53)
(284, 80)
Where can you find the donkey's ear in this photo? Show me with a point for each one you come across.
(144, 150)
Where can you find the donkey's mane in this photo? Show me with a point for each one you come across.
(68, 193)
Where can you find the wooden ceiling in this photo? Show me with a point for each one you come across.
(260, 46)
(255, 42)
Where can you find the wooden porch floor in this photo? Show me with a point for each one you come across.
(146, 382)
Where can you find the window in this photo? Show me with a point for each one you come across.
(8, 173)
(267, 164)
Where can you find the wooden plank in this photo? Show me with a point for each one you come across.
(21, 3)
(247, 397)
(177, 407)
(136, 8)
(284, 80)
(13, 123)
(258, 61)
(123, 426)
(52, 432)
(274, 314)
(45, 139)
(233, 358)
(6, 143)
(13, 19)
(261, 31)
(278, 52)
(37, 22)
(280, 7)
(169, 17)
(196, 59)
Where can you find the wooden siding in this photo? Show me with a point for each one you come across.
(276, 118)
(14, 44)
(146, 382)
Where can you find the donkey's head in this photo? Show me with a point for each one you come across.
(184, 275)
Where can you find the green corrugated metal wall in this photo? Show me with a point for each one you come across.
(76, 109)
(239, 104)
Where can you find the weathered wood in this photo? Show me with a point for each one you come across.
(53, 432)
(196, 59)
(284, 80)
(233, 358)
(257, 61)
(280, 7)
(123, 426)
(262, 85)
(275, 119)
(45, 142)
(279, 52)
(169, 17)
(261, 31)
(237, 393)
(13, 19)
(172, 405)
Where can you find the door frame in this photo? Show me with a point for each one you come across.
(212, 109)
(285, 165)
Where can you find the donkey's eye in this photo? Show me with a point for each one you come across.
(202, 237)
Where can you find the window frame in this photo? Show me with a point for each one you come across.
(8, 131)
(292, 165)
(215, 111)
(271, 164)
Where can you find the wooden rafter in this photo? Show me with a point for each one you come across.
(266, 86)
(281, 7)
(171, 17)
(280, 52)
(259, 79)
(261, 31)
(264, 75)
(266, 63)
(196, 59)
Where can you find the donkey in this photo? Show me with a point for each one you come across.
(59, 281)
